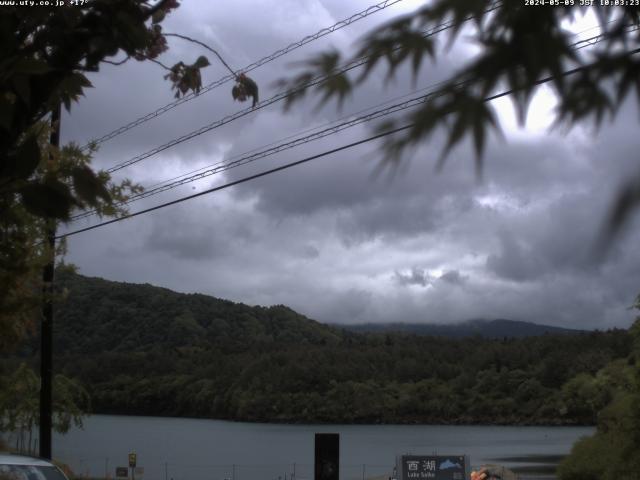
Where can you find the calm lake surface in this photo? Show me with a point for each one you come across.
(181, 449)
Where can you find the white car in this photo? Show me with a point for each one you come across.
(18, 467)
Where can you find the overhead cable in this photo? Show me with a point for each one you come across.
(256, 154)
(259, 154)
(304, 160)
(227, 78)
(265, 103)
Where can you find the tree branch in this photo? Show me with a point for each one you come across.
(203, 45)
(158, 62)
(126, 59)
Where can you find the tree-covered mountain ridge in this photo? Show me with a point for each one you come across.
(145, 350)
(481, 327)
(97, 314)
(100, 315)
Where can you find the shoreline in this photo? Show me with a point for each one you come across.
(310, 421)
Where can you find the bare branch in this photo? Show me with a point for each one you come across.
(203, 45)
(157, 62)
(126, 59)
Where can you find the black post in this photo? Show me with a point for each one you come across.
(46, 335)
(327, 456)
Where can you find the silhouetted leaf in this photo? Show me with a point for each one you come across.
(51, 199)
(22, 88)
(71, 88)
(31, 66)
(27, 157)
(88, 187)
(627, 200)
(158, 16)
(202, 62)
(335, 86)
(7, 110)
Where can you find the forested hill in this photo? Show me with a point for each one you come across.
(100, 315)
(498, 328)
(140, 349)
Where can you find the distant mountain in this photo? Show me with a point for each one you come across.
(145, 350)
(99, 315)
(483, 328)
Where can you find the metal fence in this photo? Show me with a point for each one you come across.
(92, 468)
(87, 468)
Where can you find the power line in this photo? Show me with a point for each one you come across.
(282, 95)
(257, 154)
(307, 159)
(235, 160)
(588, 42)
(247, 157)
(265, 103)
(279, 53)
(285, 94)
(236, 182)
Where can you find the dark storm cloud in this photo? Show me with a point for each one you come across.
(551, 243)
(417, 276)
(242, 34)
(187, 240)
(327, 238)
(128, 92)
(350, 306)
(453, 277)
(309, 251)
(420, 277)
(515, 260)
(209, 232)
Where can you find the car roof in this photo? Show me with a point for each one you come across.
(11, 459)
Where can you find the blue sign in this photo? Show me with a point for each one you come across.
(433, 467)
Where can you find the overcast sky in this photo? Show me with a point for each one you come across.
(331, 240)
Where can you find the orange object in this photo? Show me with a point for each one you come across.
(481, 475)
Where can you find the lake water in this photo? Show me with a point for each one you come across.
(194, 449)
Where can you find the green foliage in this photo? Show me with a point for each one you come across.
(186, 78)
(584, 396)
(519, 47)
(43, 61)
(58, 173)
(140, 349)
(45, 55)
(613, 453)
(19, 404)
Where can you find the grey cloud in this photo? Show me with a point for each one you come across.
(310, 252)
(560, 238)
(207, 232)
(188, 240)
(453, 277)
(390, 218)
(351, 306)
(515, 260)
(324, 237)
(417, 276)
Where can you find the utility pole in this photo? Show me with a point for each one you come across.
(46, 329)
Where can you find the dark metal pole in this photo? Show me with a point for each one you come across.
(46, 335)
